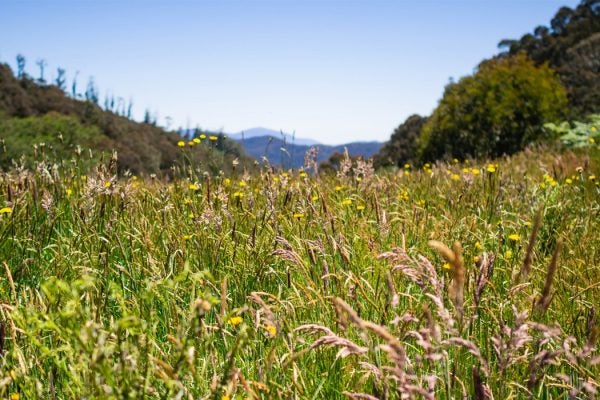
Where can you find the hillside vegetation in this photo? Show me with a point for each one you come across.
(32, 112)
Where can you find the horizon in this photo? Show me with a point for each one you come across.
(334, 72)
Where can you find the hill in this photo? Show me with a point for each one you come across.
(288, 155)
(32, 113)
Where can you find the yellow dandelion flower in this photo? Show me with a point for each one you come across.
(478, 246)
(272, 330)
(6, 210)
(338, 188)
(315, 198)
(225, 397)
(241, 184)
(358, 179)
(360, 207)
(568, 181)
(508, 254)
(191, 143)
(227, 181)
(515, 237)
(591, 140)
(69, 192)
(347, 202)
(191, 215)
(202, 137)
(475, 171)
(14, 396)
(193, 186)
(197, 141)
(455, 177)
(476, 259)
(238, 195)
(455, 161)
(213, 138)
(527, 223)
(303, 174)
(491, 168)
(107, 184)
(298, 215)
(234, 321)
(181, 143)
(446, 266)
(187, 237)
(592, 177)
(406, 166)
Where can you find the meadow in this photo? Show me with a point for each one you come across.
(455, 280)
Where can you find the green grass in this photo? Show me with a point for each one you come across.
(127, 288)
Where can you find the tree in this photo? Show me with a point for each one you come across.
(74, 85)
(498, 110)
(402, 146)
(41, 63)
(20, 66)
(61, 80)
(91, 92)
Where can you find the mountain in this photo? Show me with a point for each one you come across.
(260, 132)
(287, 155)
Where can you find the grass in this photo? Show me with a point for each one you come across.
(288, 285)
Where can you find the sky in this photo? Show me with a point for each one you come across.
(332, 70)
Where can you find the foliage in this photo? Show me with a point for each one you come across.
(577, 134)
(284, 284)
(571, 45)
(498, 110)
(402, 146)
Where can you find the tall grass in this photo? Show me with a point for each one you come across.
(290, 285)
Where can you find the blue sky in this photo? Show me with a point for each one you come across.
(335, 71)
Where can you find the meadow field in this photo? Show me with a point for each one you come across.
(455, 280)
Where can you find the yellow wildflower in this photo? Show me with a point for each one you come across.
(478, 246)
(191, 143)
(338, 188)
(197, 141)
(347, 202)
(69, 192)
(187, 237)
(202, 137)
(298, 215)
(213, 138)
(568, 181)
(193, 186)
(272, 330)
(491, 168)
(360, 207)
(515, 237)
(5, 210)
(302, 174)
(508, 254)
(446, 266)
(406, 166)
(315, 198)
(234, 321)
(181, 143)
(592, 177)
(455, 177)
(14, 396)
(227, 181)
(107, 185)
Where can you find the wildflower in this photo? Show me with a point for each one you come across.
(508, 254)
(191, 143)
(191, 215)
(455, 161)
(187, 237)
(592, 177)
(338, 188)
(271, 330)
(593, 129)
(314, 198)
(193, 186)
(107, 185)
(360, 207)
(187, 201)
(238, 195)
(14, 396)
(478, 246)
(427, 166)
(227, 181)
(225, 397)
(568, 181)
(528, 223)
(406, 166)
(491, 168)
(591, 140)
(347, 202)
(515, 237)
(446, 266)
(69, 192)
(242, 184)
(358, 179)
(234, 321)
(298, 215)
(475, 171)
(302, 174)
(455, 177)
(181, 143)
(197, 141)
(465, 170)
(213, 138)
(202, 137)
(476, 259)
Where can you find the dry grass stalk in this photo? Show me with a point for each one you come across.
(355, 396)
(456, 289)
(485, 263)
(544, 301)
(529, 253)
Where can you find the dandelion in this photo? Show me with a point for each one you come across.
(191, 143)
(193, 186)
(476, 259)
(242, 184)
(568, 181)
(346, 202)
(508, 254)
(69, 192)
(446, 266)
(234, 321)
(202, 137)
(315, 198)
(478, 246)
(213, 138)
(227, 181)
(491, 168)
(455, 177)
(187, 237)
(197, 141)
(591, 140)
(271, 330)
(475, 171)
(298, 216)
(302, 174)
(360, 207)
(191, 215)
(107, 185)
(406, 166)
(238, 195)
(455, 161)
(592, 177)
(338, 188)
(181, 143)
(515, 237)
(14, 396)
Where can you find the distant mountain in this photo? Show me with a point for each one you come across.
(287, 155)
(261, 132)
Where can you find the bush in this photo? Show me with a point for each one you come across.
(498, 110)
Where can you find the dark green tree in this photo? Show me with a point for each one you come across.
(21, 66)
(498, 110)
(402, 146)
(61, 80)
